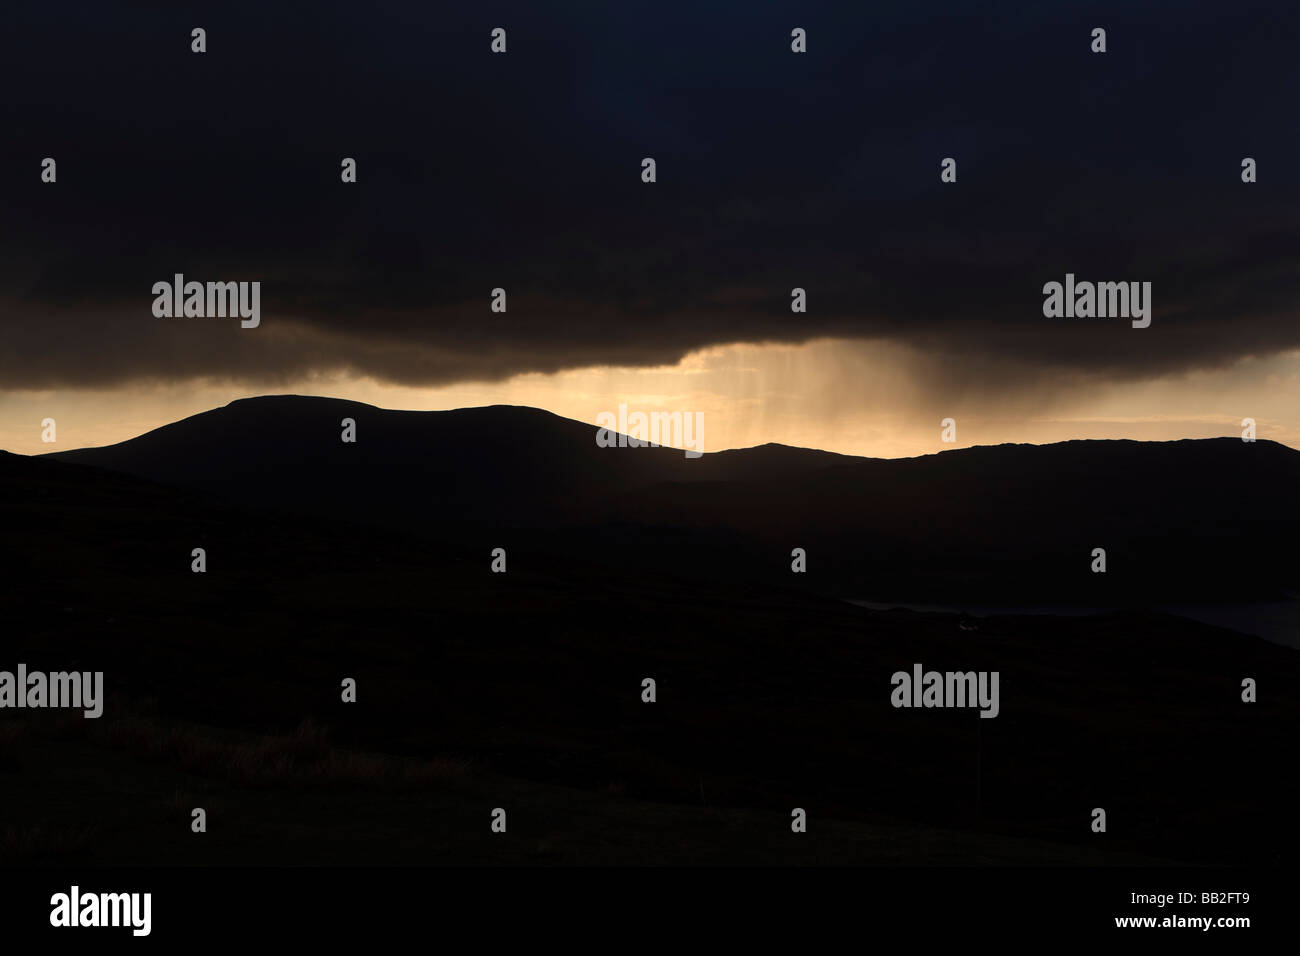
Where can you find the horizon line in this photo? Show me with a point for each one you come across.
(534, 408)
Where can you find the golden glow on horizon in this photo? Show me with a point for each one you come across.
(862, 398)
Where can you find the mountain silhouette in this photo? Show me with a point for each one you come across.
(769, 698)
(1200, 519)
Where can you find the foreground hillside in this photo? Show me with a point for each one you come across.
(522, 690)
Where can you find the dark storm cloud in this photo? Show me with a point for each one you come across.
(522, 171)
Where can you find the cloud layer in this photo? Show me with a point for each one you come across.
(522, 171)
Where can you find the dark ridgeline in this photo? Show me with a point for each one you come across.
(1187, 520)
(522, 690)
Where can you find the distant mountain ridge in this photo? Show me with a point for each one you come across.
(1177, 517)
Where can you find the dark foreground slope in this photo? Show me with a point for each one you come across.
(523, 691)
(1179, 521)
